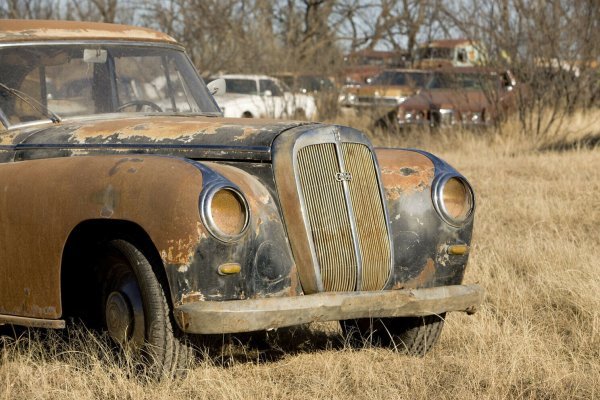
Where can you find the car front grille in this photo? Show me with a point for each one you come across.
(340, 190)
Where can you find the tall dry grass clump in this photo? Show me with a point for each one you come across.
(536, 250)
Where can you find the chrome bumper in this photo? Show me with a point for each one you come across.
(209, 317)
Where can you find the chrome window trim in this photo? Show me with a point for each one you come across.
(93, 42)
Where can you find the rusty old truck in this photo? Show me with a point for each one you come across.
(129, 203)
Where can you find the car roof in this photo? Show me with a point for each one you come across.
(448, 43)
(15, 30)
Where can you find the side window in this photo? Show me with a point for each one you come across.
(461, 55)
(153, 79)
(268, 84)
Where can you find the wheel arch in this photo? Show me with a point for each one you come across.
(77, 275)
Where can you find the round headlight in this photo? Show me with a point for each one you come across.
(454, 200)
(225, 213)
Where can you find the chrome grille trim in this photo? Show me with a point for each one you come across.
(369, 213)
(288, 159)
(330, 222)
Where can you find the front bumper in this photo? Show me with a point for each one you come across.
(210, 317)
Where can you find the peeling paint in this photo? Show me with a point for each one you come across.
(425, 276)
(404, 172)
(32, 30)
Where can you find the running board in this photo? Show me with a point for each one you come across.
(32, 322)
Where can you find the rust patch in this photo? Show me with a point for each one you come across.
(419, 281)
(404, 172)
(158, 128)
(295, 288)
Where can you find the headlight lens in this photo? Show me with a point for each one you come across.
(454, 200)
(225, 213)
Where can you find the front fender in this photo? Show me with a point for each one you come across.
(267, 268)
(42, 201)
(420, 236)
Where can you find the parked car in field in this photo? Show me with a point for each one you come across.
(322, 88)
(467, 96)
(306, 83)
(386, 90)
(153, 224)
(259, 96)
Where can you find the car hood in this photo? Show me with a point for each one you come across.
(383, 91)
(188, 136)
(461, 100)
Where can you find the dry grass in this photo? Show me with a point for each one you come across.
(536, 251)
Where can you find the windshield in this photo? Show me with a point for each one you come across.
(314, 83)
(81, 80)
(399, 78)
(462, 81)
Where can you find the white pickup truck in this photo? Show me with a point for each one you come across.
(261, 96)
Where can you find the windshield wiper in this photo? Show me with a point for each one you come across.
(33, 103)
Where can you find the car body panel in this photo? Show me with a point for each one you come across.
(116, 187)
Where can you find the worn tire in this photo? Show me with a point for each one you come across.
(410, 335)
(153, 338)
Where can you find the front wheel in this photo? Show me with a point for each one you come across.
(136, 313)
(411, 335)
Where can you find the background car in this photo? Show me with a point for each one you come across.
(468, 96)
(386, 90)
(255, 96)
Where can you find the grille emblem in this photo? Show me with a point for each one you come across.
(343, 176)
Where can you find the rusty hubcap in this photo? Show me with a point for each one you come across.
(119, 317)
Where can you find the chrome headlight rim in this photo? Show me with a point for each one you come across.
(438, 199)
(207, 217)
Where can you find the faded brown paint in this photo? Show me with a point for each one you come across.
(404, 172)
(36, 30)
(47, 199)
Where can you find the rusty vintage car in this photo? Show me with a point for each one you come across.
(465, 96)
(386, 90)
(142, 212)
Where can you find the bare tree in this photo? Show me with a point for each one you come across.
(29, 9)
(552, 45)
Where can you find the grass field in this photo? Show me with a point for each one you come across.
(536, 250)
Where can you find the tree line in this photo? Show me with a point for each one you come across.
(553, 46)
